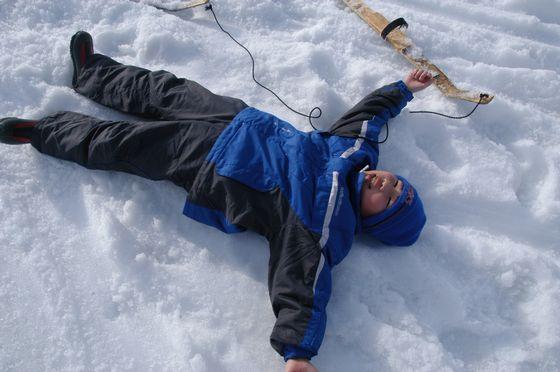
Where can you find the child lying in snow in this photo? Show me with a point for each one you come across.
(308, 193)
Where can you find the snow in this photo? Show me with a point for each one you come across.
(99, 271)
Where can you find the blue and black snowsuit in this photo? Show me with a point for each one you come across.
(244, 169)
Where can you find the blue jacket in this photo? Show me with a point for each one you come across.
(301, 190)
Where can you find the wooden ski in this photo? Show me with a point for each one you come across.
(404, 46)
(174, 6)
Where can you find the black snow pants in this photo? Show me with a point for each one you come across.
(178, 123)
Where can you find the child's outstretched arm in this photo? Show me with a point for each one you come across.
(381, 105)
(418, 80)
(375, 109)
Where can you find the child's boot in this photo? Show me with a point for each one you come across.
(81, 49)
(14, 131)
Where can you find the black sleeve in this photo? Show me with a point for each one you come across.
(375, 109)
(299, 283)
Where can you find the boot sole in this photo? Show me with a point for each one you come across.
(77, 54)
(6, 135)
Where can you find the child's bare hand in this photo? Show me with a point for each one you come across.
(418, 79)
(299, 365)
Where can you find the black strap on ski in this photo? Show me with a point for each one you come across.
(397, 23)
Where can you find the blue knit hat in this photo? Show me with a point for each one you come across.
(402, 223)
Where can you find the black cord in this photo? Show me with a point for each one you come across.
(386, 125)
(482, 96)
(309, 116)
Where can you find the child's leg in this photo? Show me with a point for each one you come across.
(163, 150)
(157, 94)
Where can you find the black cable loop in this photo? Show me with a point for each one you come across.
(309, 116)
(482, 95)
(386, 125)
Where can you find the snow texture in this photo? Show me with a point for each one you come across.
(99, 271)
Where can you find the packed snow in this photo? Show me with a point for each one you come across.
(100, 271)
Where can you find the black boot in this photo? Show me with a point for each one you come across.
(14, 131)
(81, 49)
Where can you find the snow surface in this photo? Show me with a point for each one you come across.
(99, 271)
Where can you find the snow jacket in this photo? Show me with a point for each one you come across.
(300, 190)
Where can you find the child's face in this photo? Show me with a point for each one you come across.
(379, 191)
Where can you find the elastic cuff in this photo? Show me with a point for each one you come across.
(295, 352)
(37, 135)
(405, 91)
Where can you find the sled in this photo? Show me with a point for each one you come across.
(404, 46)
